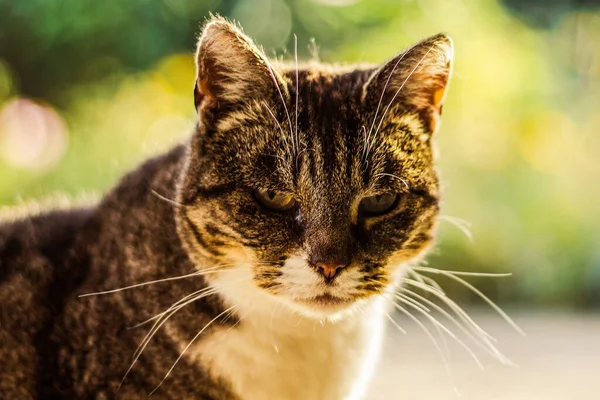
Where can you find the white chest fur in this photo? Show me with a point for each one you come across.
(281, 355)
(299, 359)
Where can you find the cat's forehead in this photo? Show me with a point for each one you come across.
(326, 90)
(320, 133)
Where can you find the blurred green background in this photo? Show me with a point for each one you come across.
(89, 89)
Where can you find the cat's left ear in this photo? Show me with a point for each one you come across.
(413, 81)
(231, 71)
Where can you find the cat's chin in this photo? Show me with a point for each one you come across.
(325, 306)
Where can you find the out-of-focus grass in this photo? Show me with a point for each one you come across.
(518, 145)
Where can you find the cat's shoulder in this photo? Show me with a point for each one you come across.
(34, 233)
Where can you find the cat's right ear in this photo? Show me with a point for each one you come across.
(231, 70)
(414, 81)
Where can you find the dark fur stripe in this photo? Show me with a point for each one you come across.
(210, 192)
(198, 237)
(214, 230)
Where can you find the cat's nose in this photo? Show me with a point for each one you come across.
(329, 270)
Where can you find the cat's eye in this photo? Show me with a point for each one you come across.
(378, 205)
(273, 200)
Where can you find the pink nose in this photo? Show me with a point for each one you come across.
(329, 271)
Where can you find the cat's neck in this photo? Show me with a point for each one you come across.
(321, 359)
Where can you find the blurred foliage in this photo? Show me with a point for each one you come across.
(89, 89)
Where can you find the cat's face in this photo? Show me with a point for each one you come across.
(317, 183)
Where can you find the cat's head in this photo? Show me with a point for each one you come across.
(313, 184)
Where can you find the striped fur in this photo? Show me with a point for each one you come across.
(326, 136)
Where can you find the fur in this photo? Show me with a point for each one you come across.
(240, 308)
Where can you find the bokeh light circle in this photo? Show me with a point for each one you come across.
(32, 136)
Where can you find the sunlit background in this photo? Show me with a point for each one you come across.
(89, 89)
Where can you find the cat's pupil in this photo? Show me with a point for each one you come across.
(378, 198)
(271, 194)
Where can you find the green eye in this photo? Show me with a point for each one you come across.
(275, 201)
(378, 204)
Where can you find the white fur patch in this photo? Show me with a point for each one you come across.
(276, 352)
(301, 282)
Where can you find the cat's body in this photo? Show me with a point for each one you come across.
(82, 347)
(289, 298)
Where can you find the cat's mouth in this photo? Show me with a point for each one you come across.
(326, 301)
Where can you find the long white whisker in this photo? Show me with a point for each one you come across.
(387, 82)
(480, 339)
(188, 345)
(425, 280)
(395, 323)
(396, 94)
(165, 315)
(427, 332)
(206, 290)
(283, 135)
(423, 286)
(157, 325)
(297, 88)
(174, 278)
(274, 78)
(450, 303)
(443, 327)
(463, 273)
(453, 275)
(424, 309)
(173, 202)
(393, 176)
(460, 223)
(205, 271)
(431, 282)
(413, 302)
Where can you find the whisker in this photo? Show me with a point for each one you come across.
(443, 327)
(427, 332)
(450, 303)
(188, 345)
(297, 87)
(414, 302)
(364, 156)
(460, 223)
(454, 275)
(164, 316)
(174, 278)
(173, 202)
(423, 286)
(283, 135)
(273, 77)
(174, 305)
(395, 323)
(420, 280)
(161, 321)
(463, 273)
(205, 271)
(396, 94)
(480, 339)
(424, 309)
(453, 306)
(431, 282)
(387, 82)
(393, 176)
(205, 292)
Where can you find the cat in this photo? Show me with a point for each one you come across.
(262, 252)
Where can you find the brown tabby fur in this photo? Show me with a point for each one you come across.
(193, 208)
